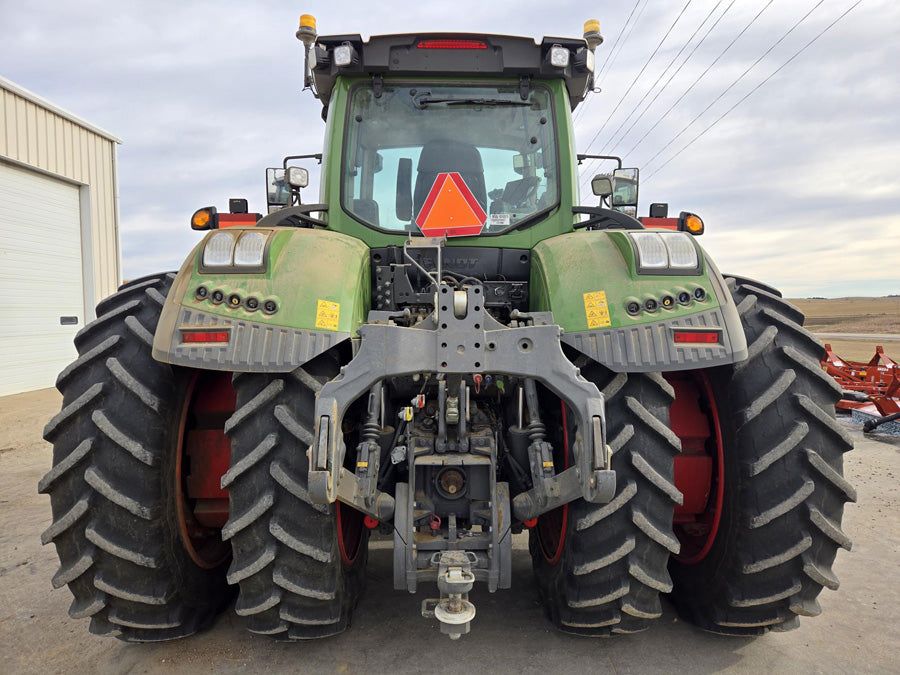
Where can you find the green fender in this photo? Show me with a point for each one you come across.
(318, 280)
(588, 279)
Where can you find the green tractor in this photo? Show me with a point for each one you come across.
(449, 349)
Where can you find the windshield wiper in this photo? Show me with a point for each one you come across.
(423, 101)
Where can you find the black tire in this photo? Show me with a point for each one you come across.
(294, 581)
(783, 491)
(608, 575)
(112, 485)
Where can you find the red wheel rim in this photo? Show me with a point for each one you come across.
(551, 527)
(350, 528)
(700, 469)
(201, 458)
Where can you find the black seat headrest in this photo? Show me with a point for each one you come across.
(445, 156)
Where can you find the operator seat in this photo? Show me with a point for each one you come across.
(444, 156)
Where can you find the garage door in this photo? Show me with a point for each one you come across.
(41, 286)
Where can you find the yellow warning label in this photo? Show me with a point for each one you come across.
(328, 314)
(596, 310)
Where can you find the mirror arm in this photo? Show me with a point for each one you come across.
(605, 219)
(301, 213)
(316, 156)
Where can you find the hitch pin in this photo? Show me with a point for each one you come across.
(521, 393)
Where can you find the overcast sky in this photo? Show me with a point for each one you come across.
(799, 184)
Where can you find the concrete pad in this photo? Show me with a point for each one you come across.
(858, 632)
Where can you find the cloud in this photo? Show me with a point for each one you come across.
(797, 184)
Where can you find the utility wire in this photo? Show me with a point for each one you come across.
(693, 51)
(730, 86)
(775, 72)
(637, 77)
(615, 43)
(671, 77)
(701, 76)
(618, 47)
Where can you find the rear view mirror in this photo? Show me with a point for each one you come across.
(602, 185)
(525, 165)
(278, 192)
(519, 164)
(625, 189)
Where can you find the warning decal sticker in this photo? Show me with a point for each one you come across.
(328, 314)
(596, 310)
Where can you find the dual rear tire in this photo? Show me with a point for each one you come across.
(141, 558)
(600, 568)
(113, 487)
(779, 519)
(300, 566)
(771, 528)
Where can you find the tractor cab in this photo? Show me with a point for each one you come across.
(448, 134)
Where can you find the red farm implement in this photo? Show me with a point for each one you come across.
(871, 389)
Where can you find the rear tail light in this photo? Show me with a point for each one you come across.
(451, 44)
(196, 336)
(697, 337)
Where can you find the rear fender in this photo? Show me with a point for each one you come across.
(311, 294)
(589, 279)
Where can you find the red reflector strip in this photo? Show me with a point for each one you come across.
(237, 219)
(659, 223)
(452, 44)
(206, 336)
(696, 337)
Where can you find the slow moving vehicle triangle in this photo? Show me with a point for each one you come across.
(450, 209)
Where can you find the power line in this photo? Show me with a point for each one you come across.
(701, 76)
(729, 87)
(775, 72)
(617, 50)
(671, 77)
(615, 41)
(637, 77)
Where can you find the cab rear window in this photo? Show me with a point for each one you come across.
(503, 148)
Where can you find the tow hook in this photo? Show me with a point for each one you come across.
(453, 610)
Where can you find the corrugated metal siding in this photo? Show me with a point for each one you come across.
(41, 138)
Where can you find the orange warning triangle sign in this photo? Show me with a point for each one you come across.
(450, 209)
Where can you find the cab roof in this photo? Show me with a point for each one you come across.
(465, 55)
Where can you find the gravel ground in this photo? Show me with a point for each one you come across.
(859, 630)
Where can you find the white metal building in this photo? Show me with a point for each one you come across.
(59, 234)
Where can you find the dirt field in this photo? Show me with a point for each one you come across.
(851, 315)
(858, 632)
(878, 316)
